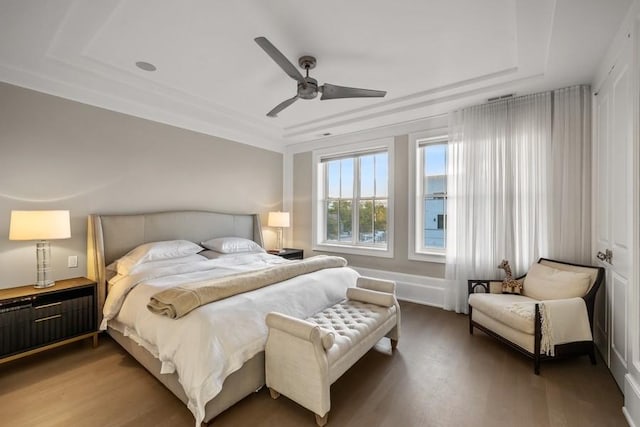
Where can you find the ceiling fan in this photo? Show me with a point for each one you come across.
(308, 87)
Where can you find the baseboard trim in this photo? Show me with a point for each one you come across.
(631, 408)
(423, 290)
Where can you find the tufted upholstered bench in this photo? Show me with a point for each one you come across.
(304, 357)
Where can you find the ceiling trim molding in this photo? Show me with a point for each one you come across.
(423, 94)
(66, 90)
(445, 101)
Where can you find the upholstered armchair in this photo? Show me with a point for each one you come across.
(552, 317)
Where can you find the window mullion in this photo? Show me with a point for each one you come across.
(355, 211)
(325, 201)
(419, 209)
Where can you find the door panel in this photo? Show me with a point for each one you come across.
(613, 208)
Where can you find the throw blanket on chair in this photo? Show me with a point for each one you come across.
(178, 301)
(563, 321)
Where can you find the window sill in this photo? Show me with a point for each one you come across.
(354, 250)
(439, 258)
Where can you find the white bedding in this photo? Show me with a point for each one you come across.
(213, 341)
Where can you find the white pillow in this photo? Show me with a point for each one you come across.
(166, 263)
(209, 254)
(547, 283)
(232, 245)
(156, 251)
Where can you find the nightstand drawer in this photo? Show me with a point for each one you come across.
(63, 319)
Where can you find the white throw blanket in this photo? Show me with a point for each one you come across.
(563, 321)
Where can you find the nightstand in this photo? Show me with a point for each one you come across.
(289, 253)
(33, 320)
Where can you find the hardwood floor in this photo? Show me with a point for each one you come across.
(440, 376)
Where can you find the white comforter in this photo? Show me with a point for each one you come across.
(213, 341)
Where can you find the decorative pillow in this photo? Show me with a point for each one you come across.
(232, 245)
(156, 251)
(547, 283)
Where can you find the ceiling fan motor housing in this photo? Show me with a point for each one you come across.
(309, 89)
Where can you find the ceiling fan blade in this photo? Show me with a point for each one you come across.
(280, 59)
(330, 91)
(282, 106)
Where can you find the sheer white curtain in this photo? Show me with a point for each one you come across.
(519, 185)
(570, 216)
(496, 190)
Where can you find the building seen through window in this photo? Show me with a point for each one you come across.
(434, 195)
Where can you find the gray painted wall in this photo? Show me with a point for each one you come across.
(61, 154)
(302, 238)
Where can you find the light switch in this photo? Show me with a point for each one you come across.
(73, 261)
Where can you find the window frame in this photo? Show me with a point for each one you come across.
(318, 200)
(416, 251)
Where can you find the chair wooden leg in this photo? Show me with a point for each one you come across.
(321, 421)
(274, 394)
(536, 364)
(470, 321)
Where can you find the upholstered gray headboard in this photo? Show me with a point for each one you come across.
(111, 236)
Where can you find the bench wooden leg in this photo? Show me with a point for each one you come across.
(321, 421)
(274, 394)
(394, 344)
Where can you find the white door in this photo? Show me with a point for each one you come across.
(613, 209)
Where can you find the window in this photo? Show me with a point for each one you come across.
(429, 207)
(352, 209)
(433, 195)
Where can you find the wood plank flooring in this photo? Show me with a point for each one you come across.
(440, 376)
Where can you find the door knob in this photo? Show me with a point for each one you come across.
(606, 256)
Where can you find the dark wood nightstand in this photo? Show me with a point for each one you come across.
(289, 253)
(33, 320)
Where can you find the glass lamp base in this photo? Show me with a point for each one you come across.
(43, 285)
(43, 272)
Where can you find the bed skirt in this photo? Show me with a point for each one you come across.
(240, 384)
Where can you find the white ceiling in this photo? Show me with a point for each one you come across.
(430, 56)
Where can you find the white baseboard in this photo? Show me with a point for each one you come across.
(410, 287)
(631, 408)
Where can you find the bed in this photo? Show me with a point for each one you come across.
(112, 236)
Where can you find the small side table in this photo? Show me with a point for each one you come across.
(289, 253)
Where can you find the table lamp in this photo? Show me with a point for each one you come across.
(41, 226)
(279, 220)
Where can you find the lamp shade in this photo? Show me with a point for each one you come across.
(39, 225)
(278, 219)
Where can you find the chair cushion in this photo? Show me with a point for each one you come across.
(497, 307)
(547, 283)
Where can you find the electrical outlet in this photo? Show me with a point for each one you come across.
(72, 261)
